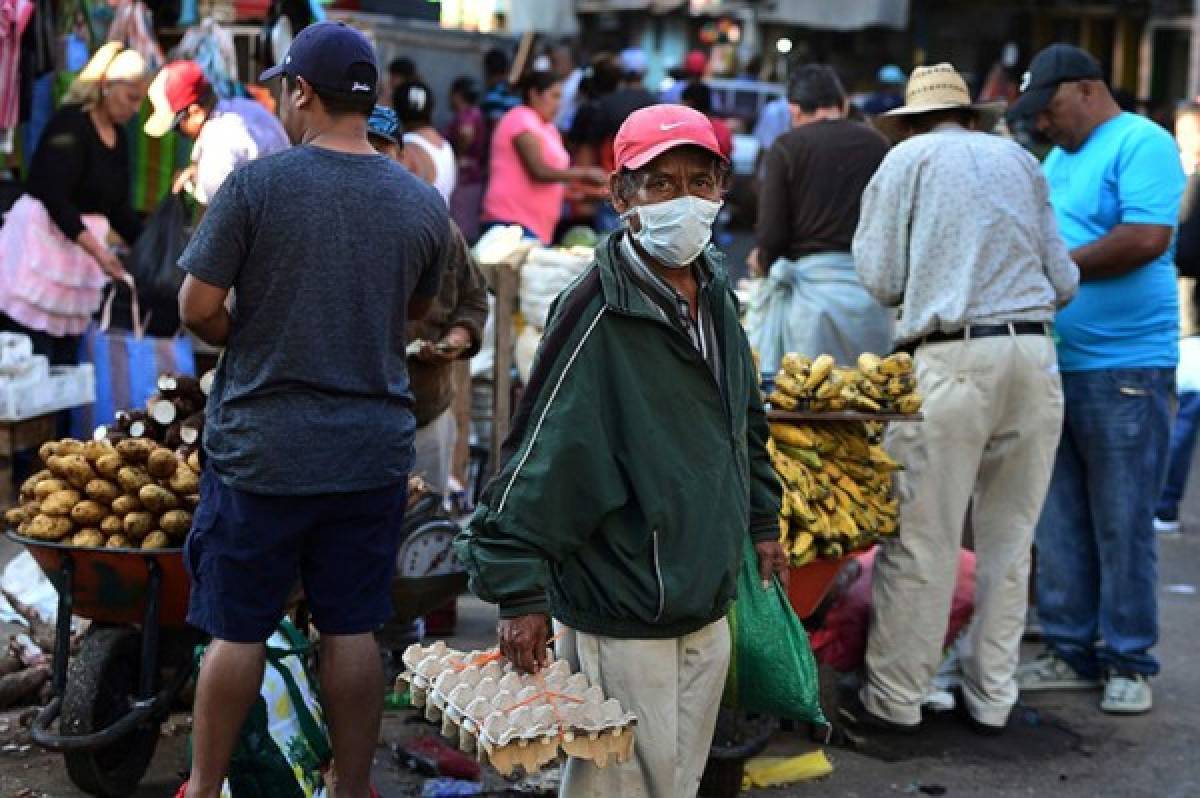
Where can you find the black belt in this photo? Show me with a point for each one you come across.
(979, 331)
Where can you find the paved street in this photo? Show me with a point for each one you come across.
(1058, 744)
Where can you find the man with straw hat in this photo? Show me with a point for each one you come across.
(957, 231)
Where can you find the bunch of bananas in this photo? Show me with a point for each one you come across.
(877, 385)
(837, 488)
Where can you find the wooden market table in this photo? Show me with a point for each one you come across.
(17, 436)
(809, 584)
(818, 417)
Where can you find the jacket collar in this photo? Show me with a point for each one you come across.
(623, 296)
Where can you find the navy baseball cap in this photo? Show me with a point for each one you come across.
(1057, 64)
(333, 57)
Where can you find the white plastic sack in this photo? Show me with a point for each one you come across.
(525, 351)
(544, 275)
(1187, 375)
(24, 581)
(497, 244)
(814, 306)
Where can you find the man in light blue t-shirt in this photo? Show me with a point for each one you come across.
(1115, 184)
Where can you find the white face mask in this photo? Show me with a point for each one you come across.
(675, 232)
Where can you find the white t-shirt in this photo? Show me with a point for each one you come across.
(237, 131)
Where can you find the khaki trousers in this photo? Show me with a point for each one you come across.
(674, 687)
(993, 417)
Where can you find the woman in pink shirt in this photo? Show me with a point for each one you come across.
(529, 164)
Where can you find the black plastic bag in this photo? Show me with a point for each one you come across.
(153, 262)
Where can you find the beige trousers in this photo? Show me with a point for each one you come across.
(993, 417)
(674, 687)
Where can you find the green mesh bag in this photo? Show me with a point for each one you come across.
(771, 667)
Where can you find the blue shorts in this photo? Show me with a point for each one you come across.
(246, 552)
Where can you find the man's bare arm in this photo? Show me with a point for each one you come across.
(203, 312)
(1126, 247)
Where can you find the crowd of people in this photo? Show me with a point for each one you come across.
(1038, 300)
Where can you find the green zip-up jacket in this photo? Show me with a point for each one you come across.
(631, 474)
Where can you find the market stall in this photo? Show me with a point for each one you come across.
(826, 433)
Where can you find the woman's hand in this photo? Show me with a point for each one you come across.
(113, 267)
(109, 263)
(594, 175)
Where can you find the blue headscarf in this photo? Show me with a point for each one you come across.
(385, 124)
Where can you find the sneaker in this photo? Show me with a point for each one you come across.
(1051, 672)
(1127, 694)
(1168, 527)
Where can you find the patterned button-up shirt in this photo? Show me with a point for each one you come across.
(957, 229)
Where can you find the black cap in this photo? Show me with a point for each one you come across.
(1058, 63)
(333, 57)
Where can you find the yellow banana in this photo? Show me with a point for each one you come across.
(868, 362)
(822, 367)
(847, 484)
(789, 385)
(897, 364)
(909, 404)
(796, 365)
(804, 557)
(842, 523)
(793, 435)
(900, 386)
(881, 460)
(781, 401)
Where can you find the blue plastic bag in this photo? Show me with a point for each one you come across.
(127, 368)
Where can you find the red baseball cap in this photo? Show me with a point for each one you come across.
(650, 132)
(695, 63)
(177, 86)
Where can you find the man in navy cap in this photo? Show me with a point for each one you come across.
(1115, 185)
(309, 436)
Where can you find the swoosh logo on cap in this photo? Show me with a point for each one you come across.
(665, 127)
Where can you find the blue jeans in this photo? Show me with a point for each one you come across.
(1183, 444)
(1097, 562)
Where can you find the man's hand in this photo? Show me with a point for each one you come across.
(183, 179)
(452, 346)
(523, 641)
(772, 559)
(753, 265)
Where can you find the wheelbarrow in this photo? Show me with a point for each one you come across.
(135, 658)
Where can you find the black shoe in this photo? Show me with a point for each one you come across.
(964, 714)
(854, 715)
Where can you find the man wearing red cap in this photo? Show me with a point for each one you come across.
(636, 466)
(227, 132)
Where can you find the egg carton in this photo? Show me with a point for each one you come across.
(514, 720)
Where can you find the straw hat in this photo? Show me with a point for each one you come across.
(938, 88)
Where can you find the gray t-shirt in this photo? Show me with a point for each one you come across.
(311, 395)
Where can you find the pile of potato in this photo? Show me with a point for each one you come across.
(129, 494)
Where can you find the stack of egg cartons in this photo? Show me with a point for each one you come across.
(517, 720)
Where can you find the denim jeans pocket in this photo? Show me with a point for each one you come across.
(1132, 393)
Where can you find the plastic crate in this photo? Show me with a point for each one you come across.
(64, 387)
